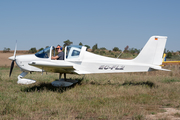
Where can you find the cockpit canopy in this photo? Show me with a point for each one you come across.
(72, 51)
(43, 53)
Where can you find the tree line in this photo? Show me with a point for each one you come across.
(104, 51)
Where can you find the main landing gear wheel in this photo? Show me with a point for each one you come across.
(63, 82)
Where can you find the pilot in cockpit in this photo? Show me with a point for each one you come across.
(60, 55)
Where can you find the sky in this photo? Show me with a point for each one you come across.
(107, 23)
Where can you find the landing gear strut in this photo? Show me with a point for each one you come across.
(60, 74)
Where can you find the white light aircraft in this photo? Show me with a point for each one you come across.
(79, 61)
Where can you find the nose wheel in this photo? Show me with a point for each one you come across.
(22, 80)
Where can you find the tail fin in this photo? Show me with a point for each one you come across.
(153, 51)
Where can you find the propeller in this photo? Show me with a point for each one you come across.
(13, 60)
(12, 66)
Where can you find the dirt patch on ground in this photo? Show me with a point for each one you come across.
(170, 114)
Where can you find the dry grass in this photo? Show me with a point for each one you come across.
(99, 96)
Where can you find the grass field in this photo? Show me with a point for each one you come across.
(135, 96)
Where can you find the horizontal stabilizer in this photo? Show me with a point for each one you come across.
(157, 68)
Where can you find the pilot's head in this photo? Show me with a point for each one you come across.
(59, 48)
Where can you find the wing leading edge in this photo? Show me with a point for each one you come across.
(54, 66)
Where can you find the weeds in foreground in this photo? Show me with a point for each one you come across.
(99, 96)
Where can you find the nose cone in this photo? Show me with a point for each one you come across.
(12, 58)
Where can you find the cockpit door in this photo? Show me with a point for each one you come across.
(74, 53)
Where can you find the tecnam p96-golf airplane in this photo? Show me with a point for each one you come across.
(79, 61)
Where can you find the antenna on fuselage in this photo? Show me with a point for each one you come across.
(120, 54)
(125, 49)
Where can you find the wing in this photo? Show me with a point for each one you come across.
(56, 66)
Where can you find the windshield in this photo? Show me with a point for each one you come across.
(43, 53)
(73, 51)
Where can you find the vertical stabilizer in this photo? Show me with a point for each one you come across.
(153, 51)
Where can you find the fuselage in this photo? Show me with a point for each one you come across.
(79, 61)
